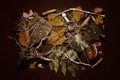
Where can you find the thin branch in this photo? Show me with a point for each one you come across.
(41, 42)
(73, 9)
(76, 61)
(98, 62)
(44, 58)
(85, 22)
(49, 11)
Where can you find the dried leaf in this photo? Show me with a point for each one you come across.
(51, 65)
(22, 37)
(75, 66)
(55, 21)
(57, 36)
(82, 67)
(51, 16)
(98, 10)
(77, 14)
(52, 54)
(70, 54)
(63, 67)
(32, 65)
(71, 69)
(56, 64)
(99, 20)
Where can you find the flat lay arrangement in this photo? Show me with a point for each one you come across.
(68, 40)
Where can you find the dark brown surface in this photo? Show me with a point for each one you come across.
(9, 50)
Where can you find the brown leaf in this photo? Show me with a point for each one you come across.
(22, 37)
(57, 36)
(77, 14)
(32, 65)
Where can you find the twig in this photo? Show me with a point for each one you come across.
(49, 11)
(76, 61)
(41, 42)
(85, 21)
(99, 61)
(44, 58)
(72, 9)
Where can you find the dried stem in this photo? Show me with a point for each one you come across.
(44, 58)
(76, 61)
(99, 61)
(85, 21)
(49, 11)
(72, 9)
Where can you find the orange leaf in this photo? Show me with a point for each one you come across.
(22, 38)
(98, 10)
(32, 65)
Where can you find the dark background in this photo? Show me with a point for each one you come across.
(9, 12)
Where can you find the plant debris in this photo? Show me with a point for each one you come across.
(68, 40)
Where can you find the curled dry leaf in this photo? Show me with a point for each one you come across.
(77, 14)
(57, 36)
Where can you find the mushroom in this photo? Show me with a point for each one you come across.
(91, 51)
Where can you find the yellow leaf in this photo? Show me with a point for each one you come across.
(32, 65)
(55, 21)
(52, 16)
(99, 20)
(22, 37)
(57, 36)
(77, 14)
